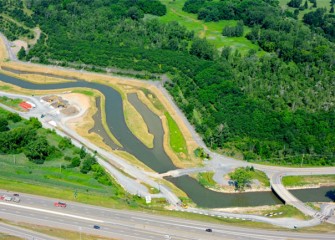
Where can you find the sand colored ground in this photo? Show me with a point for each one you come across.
(136, 123)
(3, 51)
(17, 44)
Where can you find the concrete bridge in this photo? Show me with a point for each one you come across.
(279, 189)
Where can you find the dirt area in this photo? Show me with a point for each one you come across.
(137, 125)
(83, 123)
(17, 44)
(3, 51)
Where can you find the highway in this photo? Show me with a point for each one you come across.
(123, 224)
(23, 233)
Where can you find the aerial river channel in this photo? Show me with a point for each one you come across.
(156, 158)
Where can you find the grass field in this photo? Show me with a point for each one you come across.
(320, 4)
(260, 176)
(11, 102)
(210, 30)
(295, 181)
(287, 211)
(206, 179)
(177, 140)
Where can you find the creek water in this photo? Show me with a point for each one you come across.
(156, 158)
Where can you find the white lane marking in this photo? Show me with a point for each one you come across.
(216, 230)
(52, 212)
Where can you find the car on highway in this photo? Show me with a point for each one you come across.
(60, 204)
(16, 195)
(96, 227)
(8, 198)
(209, 230)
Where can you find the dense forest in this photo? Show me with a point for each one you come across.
(39, 145)
(275, 105)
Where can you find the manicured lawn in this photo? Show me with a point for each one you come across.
(177, 140)
(10, 102)
(211, 30)
(206, 179)
(260, 176)
(85, 92)
(291, 181)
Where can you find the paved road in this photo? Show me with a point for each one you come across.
(23, 233)
(125, 224)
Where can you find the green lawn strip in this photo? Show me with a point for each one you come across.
(286, 211)
(177, 140)
(211, 30)
(206, 179)
(291, 181)
(85, 92)
(11, 102)
(261, 177)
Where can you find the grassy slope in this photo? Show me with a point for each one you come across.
(291, 181)
(177, 140)
(206, 179)
(10, 102)
(260, 176)
(210, 30)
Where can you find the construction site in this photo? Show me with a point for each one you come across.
(58, 102)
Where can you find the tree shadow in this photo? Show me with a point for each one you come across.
(331, 195)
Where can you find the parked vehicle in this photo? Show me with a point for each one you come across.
(60, 204)
(16, 199)
(209, 230)
(16, 195)
(96, 227)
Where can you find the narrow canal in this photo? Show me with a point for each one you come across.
(156, 158)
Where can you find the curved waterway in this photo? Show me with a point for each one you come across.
(156, 158)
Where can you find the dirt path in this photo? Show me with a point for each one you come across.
(202, 34)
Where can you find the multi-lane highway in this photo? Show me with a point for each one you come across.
(123, 224)
(23, 233)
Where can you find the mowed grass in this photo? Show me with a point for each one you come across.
(320, 4)
(260, 176)
(292, 181)
(206, 179)
(212, 31)
(177, 140)
(85, 92)
(11, 102)
(51, 174)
